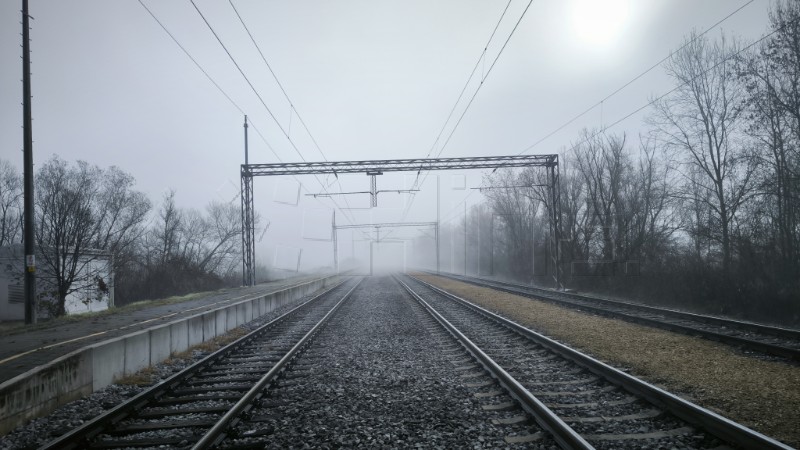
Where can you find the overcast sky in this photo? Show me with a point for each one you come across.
(370, 79)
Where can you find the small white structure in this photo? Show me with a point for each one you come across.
(96, 295)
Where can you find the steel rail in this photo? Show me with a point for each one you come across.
(566, 437)
(696, 415)
(218, 432)
(713, 320)
(552, 296)
(79, 437)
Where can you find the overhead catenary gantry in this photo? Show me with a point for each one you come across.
(374, 167)
(377, 227)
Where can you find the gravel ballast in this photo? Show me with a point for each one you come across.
(381, 374)
(377, 377)
(759, 393)
(39, 431)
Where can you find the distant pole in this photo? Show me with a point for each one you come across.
(465, 237)
(334, 236)
(246, 156)
(438, 199)
(245, 230)
(29, 237)
(491, 247)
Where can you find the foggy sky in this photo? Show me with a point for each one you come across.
(372, 80)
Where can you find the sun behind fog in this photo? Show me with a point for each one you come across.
(599, 23)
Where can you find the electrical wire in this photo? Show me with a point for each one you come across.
(263, 103)
(466, 84)
(678, 86)
(233, 60)
(207, 75)
(219, 88)
(472, 99)
(275, 77)
(633, 80)
(463, 90)
(285, 94)
(650, 103)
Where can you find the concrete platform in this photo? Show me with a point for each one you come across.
(52, 364)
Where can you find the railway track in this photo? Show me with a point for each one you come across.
(377, 374)
(774, 341)
(384, 374)
(196, 407)
(583, 402)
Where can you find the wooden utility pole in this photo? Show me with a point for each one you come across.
(29, 235)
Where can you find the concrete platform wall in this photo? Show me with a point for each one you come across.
(43, 389)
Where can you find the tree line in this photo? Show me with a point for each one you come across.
(701, 211)
(85, 214)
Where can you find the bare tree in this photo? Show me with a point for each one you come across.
(10, 204)
(628, 211)
(165, 236)
(771, 75)
(515, 211)
(654, 213)
(64, 226)
(75, 223)
(700, 121)
(604, 166)
(222, 252)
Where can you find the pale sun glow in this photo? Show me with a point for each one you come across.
(599, 23)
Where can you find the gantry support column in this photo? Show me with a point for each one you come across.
(248, 229)
(335, 245)
(555, 224)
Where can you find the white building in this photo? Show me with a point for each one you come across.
(96, 273)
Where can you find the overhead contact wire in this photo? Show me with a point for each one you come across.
(255, 91)
(475, 94)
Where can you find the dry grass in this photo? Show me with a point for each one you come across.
(143, 377)
(763, 395)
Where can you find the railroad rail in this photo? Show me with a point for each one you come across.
(588, 403)
(771, 340)
(199, 404)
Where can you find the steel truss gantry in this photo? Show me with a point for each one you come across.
(373, 167)
(377, 227)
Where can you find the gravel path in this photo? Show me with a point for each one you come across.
(380, 375)
(761, 394)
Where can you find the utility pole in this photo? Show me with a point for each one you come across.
(438, 199)
(248, 219)
(334, 236)
(465, 237)
(30, 236)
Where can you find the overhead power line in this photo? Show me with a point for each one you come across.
(285, 94)
(469, 78)
(417, 183)
(678, 86)
(275, 77)
(636, 78)
(633, 80)
(216, 85)
(253, 88)
(207, 75)
(263, 103)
